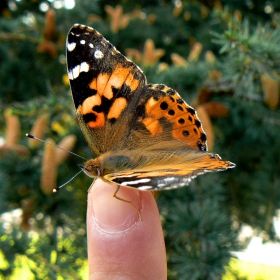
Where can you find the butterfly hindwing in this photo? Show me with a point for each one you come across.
(165, 113)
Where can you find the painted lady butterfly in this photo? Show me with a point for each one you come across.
(143, 135)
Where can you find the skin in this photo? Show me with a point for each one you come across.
(120, 246)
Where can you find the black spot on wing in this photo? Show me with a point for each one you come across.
(170, 91)
(181, 121)
(160, 87)
(171, 98)
(163, 105)
(186, 133)
(197, 123)
(171, 112)
(112, 120)
(104, 107)
(203, 137)
(191, 111)
(180, 107)
(89, 117)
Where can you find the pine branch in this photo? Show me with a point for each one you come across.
(249, 53)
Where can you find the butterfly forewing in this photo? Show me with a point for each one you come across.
(104, 85)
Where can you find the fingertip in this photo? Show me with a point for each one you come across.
(110, 214)
(117, 240)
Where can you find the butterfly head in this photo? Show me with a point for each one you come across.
(91, 168)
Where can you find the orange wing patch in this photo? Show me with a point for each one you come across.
(118, 106)
(132, 82)
(99, 84)
(152, 125)
(88, 103)
(92, 118)
(103, 84)
(116, 80)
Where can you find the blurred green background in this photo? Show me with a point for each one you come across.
(223, 57)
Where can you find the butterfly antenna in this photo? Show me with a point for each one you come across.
(34, 137)
(57, 189)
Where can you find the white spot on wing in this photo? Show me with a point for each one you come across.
(91, 45)
(146, 180)
(143, 188)
(75, 72)
(84, 67)
(115, 51)
(71, 46)
(169, 179)
(82, 42)
(98, 54)
(70, 75)
(104, 42)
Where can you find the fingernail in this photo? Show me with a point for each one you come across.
(110, 214)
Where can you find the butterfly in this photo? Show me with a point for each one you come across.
(142, 135)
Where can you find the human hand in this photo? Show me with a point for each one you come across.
(120, 246)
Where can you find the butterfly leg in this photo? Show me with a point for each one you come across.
(128, 201)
